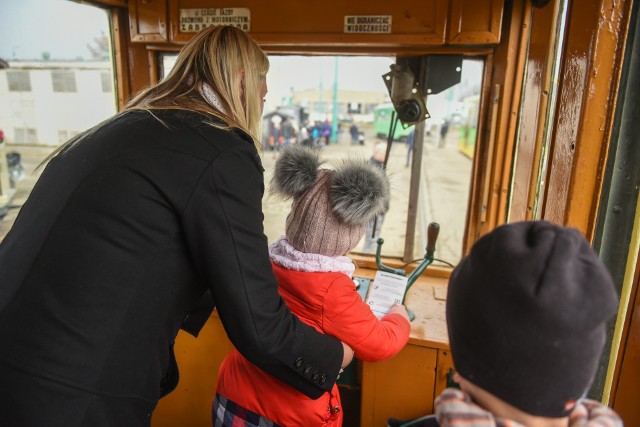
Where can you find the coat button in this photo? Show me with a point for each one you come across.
(336, 409)
(315, 376)
(323, 379)
(297, 363)
(307, 369)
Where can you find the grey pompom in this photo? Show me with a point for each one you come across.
(295, 171)
(359, 192)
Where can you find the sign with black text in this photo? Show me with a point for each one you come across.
(194, 20)
(367, 24)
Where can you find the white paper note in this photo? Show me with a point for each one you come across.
(387, 289)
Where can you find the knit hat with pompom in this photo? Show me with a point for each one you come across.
(331, 207)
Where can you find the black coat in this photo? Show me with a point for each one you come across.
(119, 238)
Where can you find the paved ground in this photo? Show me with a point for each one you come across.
(443, 197)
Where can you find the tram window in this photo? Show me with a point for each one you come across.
(167, 63)
(312, 90)
(53, 83)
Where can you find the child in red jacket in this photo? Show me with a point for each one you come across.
(328, 217)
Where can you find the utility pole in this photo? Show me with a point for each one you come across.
(334, 122)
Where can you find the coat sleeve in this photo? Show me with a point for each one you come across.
(351, 320)
(223, 223)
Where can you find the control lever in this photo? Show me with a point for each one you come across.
(432, 236)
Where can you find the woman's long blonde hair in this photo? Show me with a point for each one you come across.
(224, 59)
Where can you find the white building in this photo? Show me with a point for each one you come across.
(48, 102)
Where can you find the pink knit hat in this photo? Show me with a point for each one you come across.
(331, 208)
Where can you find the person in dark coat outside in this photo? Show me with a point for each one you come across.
(127, 228)
(355, 133)
(444, 129)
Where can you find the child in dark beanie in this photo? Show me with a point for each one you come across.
(328, 217)
(526, 314)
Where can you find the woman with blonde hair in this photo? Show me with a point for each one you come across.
(127, 228)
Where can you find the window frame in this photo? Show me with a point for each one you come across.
(469, 229)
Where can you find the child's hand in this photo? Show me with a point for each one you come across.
(399, 309)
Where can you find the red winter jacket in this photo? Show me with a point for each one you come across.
(330, 303)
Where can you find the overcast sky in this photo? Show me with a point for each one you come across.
(61, 27)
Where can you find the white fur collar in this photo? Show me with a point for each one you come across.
(284, 254)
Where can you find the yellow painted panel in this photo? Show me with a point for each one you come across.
(198, 360)
(445, 366)
(402, 387)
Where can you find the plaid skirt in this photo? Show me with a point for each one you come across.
(229, 414)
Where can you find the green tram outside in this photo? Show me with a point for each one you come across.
(382, 122)
(468, 127)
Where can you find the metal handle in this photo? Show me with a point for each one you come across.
(432, 236)
(383, 267)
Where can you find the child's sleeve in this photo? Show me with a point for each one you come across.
(350, 319)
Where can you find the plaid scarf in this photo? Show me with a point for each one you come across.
(227, 413)
(454, 408)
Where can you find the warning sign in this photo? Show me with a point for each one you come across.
(194, 20)
(367, 24)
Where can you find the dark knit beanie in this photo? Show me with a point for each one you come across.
(331, 207)
(527, 311)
